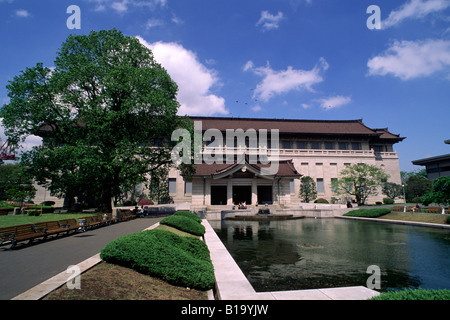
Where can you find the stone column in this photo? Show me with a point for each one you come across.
(254, 191)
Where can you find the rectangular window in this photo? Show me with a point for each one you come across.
(172, 185)
(286, 144)
(329, 145)
(314, 145)
(187, 187)
(356, 146)
(304, 163)
(342, 146)
(320, 185)
(291, 186)
(301, 145)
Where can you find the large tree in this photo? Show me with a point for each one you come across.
(15, 184)
(360, 180)
(101, 109)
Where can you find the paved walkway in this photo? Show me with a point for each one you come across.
(28, 266)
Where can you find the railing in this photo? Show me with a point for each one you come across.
(301, 152)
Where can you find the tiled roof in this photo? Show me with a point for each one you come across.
(285, 168)
(288, 125)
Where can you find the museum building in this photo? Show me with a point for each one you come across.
(294, 148)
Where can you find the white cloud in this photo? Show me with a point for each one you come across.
(415, 9)
(194, 80)
(334, 102)
(151, 23)
(124, 5)
(278, 82)
(412, 59)
(269, 21)
(22, 13)
(256, 108)
(120, 6)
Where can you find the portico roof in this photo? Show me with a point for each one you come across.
(273, 170)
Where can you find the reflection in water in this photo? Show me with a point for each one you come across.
(327, 253)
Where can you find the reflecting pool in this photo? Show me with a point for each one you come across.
(327, 253)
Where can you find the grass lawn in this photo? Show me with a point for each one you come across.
(6, 221)
(417, 217)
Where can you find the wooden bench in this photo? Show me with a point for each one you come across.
(109, 218)
(125, 215)
(70, 224)
(398, 208)
(433, 210)
(50, 228)
(93, 221)
(23, 232)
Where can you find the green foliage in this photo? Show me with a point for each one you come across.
(416, 185)
(182, 261)
(360, 180)
(414, 294)
(440, 192)
(188, 214)
(388, 200)
(15, 184)
(308, 190)
(368, 213)
(100, 109)
(321, 200)
(184, 223)
(392, 190)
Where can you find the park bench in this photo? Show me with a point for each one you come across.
(398, 208)
(93, 221)
(433, 210)
(23, 232)
(109, 218)
(70, 224)
(50, 228)
(125, 215)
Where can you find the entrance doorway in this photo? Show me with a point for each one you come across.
(218, 195)
(265, 194)
(241, 194)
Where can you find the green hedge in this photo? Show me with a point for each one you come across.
(181, 261)
(188, 214)
(414, 294)
(184, 224)
(368, 213)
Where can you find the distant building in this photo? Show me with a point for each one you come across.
(436, 167)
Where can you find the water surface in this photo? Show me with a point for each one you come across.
(327, 253)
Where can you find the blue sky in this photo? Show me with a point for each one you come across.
(292, 59)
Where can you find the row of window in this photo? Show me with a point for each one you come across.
(288, 144)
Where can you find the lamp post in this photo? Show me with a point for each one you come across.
(404, 196)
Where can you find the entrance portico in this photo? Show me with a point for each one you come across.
(225, 184)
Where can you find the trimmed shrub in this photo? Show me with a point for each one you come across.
(368, 213)
(321, 200)
(388, 201)
(188, 214)
(414, 294)
(181, 261)
(184, 224)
